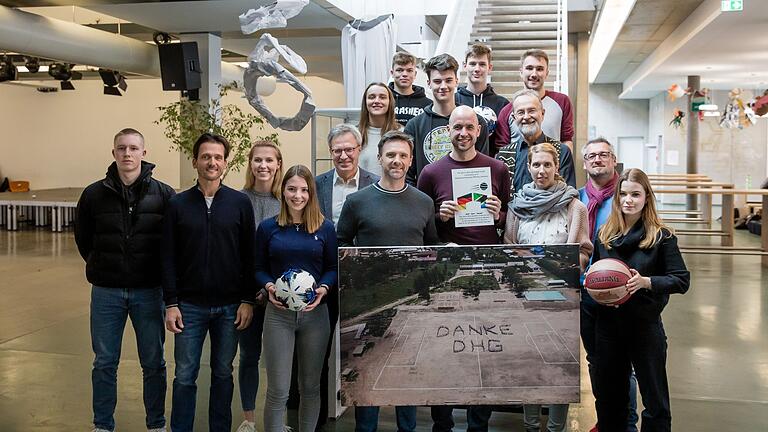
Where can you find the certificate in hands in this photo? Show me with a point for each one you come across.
(471, 187)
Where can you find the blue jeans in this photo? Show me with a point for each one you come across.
(110, 307)
(367, 418)
(250, 352)
(308, 334)
(198, 321)
(588, 318)
(556, 420)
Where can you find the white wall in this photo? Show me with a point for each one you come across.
(725, 155)
(64, 139)
(611, 117)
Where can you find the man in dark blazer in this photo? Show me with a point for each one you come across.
(333, 187)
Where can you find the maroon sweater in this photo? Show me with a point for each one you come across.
(435, 180)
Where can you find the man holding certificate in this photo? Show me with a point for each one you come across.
(470, 191)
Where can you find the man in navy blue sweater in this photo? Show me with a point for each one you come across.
(208, 282)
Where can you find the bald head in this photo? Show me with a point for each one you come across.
(465, 129)
(462, 112)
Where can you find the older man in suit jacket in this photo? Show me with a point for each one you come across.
(346, 177)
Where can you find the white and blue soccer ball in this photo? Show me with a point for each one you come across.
(295, 289)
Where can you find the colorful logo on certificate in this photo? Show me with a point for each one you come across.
(437, 143)
(464, 200)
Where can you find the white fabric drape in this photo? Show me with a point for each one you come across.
(366, 56)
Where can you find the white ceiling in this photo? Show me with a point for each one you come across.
(730, 51)
(314, 33)
(663, 42)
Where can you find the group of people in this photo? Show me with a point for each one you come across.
(205, 261)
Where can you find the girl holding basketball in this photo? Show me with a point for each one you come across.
(632, 335)
(547, 211)
(262, 185)
(298, 238)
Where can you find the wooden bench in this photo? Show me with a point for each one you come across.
(726, 232)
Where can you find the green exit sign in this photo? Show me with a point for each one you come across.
(731, 5)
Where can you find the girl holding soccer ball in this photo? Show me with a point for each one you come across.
(297, 238)
(632, 335)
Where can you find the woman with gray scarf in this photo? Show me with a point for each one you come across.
(548, 211)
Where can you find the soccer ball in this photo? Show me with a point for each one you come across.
(295, 289)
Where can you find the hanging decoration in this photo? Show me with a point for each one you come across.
(677, 121)
(733, 114)
(676, 92)
(760, 106)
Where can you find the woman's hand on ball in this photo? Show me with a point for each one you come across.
(637, 282)
(272, 299)
(321, 292)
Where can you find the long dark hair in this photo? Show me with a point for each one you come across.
(389, 124)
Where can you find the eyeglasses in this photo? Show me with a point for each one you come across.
(349, 151)
(602, 155)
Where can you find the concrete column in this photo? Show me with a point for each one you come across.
(692, 141)
(209, 51)
(581, 103)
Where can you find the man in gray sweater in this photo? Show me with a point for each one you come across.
(388, 213)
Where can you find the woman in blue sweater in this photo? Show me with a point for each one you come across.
(632, 335)
(299, 238)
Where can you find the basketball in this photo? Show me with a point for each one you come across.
(606, 281)
(295, 289)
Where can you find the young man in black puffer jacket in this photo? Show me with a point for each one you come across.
(118, 231)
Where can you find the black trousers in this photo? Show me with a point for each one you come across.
(624, 340)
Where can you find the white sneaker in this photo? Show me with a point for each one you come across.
(247, 426)
(101, 430)
(160, 429)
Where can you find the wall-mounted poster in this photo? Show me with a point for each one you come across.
(459, 325)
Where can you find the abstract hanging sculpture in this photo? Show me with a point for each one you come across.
(270, 16)
(263, 63)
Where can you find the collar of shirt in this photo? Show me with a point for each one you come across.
(354, 181)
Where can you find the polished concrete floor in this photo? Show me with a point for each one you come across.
(717, 362)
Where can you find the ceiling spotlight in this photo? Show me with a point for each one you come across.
(32, 64)
(8, 70)
(114, 81)
(63, 72)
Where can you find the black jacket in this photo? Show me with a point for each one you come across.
(432, 140)
(118, 229)
(487, 98)
(663, 263)
(208, 254)
(409, 106)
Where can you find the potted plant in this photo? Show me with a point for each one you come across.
(186, 120)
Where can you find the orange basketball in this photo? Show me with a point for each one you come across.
(606, 281)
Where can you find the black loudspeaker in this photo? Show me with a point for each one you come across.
(180, 66)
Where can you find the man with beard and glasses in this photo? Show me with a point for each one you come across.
(558, 124)
(529, 114)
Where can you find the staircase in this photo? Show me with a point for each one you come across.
(510, 27)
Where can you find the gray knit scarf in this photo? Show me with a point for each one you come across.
(530, 203)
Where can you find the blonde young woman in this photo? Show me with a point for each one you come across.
(298, 238)
(632, 335)
(548, 211)
(377, 117)
(262, 185)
